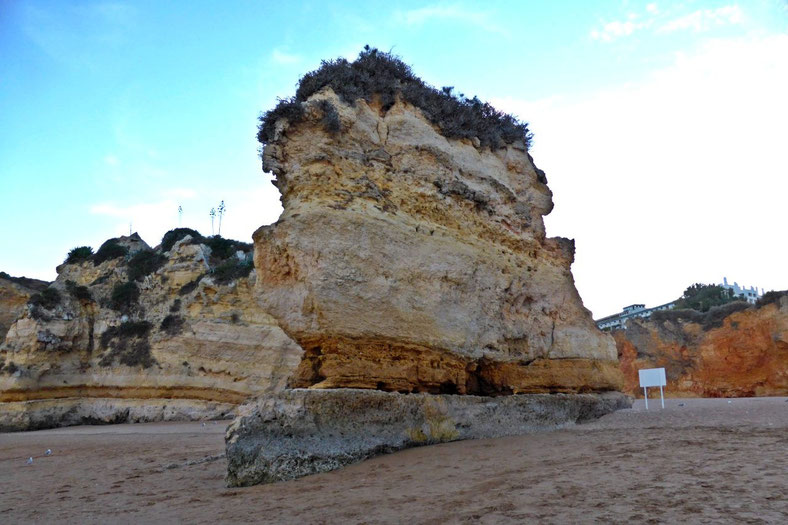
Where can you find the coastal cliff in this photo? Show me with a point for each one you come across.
(736, 350)
(144, 335)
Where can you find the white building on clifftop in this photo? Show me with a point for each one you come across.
(750, 294)
(618, 321)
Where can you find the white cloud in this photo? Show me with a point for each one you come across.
(652, 8)
(280, 57)
(482, 19)
(678, 178)
(704, 19)
(615, 29)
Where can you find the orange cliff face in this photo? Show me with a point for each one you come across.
(742, 354)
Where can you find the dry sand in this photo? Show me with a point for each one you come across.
(709, 461)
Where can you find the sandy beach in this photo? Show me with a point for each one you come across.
(696, 461)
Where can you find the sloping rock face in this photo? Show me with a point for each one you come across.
(300, 432)
(405, 261)
(14, 294)
(742, 354)
(191, 346)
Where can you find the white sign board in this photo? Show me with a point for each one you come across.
(652, 377)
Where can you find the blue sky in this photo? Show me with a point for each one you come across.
(661, 125)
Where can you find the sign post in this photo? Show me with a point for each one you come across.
(652, 377)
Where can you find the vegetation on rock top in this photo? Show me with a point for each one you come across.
(79, 254)
(111, 249)
(173, 236)
(383, 76)
(702, 297)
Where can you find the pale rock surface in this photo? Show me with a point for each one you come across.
(404, 261)
(220, 348)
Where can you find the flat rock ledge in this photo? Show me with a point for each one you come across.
(299, 432)
(54, 413)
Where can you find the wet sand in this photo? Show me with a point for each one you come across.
(708, 461)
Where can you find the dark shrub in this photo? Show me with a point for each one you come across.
(190, 286)
(708, 320)
(330, 118)
(770, 297)
(172, 324)
(81, 293)
(79, 254)
(111, 249)
(383, 75)
(124, 296)
(129, 344)
(231, 270)
(173, 236)
(222, 248)
(176, 306)
(143, 263)
(47, 299)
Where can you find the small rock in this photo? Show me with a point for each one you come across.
(681, 404)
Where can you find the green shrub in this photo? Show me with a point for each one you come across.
(111, 249)
(713, 318)
(79, 254)
(770, 297)
(143, 263)
(128, 343)
(172, 325)
(173, 236)
(222, 248)
(47, 299)
(702, 297)
(124, 296)
(81, 293)
(375, 74)
(231, 270)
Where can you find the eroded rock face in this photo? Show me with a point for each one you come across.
(740, 355)
(189, 347)
(404, 261)
(300, 432)
(14, 294)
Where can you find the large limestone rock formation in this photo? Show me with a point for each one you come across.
(404, 261)
(731, 351)
(410, 258)
(193, 345)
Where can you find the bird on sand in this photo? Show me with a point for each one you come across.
(30, 460)
(48, 452)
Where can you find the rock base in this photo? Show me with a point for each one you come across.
(300, 432)
(53, 413)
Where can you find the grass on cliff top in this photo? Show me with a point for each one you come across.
(383, 75)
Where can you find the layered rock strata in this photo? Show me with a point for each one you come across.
(411, 265)
(405, 261)
(190, 346)
(300, 432)
(729, 352)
